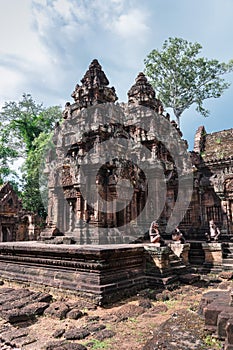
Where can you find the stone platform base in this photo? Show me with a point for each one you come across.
(102, 273)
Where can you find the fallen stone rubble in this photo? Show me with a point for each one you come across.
(217, 308)
(20, 305)
(23, 307)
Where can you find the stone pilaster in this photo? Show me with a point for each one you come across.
(158, 268)
(213, 255)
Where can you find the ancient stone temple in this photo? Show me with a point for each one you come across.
(213, 182)
(113, 170)
(9, 210)
(15, 223)
(90, 123)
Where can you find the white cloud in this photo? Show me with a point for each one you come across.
(64, 8)
(72, 30)
(131, 25)
(16, 35)
(81, 19)
(10, 83)
(24, 61)
(46, 45)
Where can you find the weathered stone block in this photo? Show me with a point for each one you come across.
(76, 333)
(211, 313)
(101, 273)
(95, 327)
(57, 310)
(26, 313)
(189, 278)
(213, 253)
(223, 317)
(158, 256)
(74, 314)
(105, 334)
(208, 297)
(229, 331)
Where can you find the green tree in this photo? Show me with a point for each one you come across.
(6, 159)
(26, 130)
(181, 78)
(23, 121)
(32, 166)
(7, 155)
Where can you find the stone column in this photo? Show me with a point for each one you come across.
(78, 211)
(70, 216)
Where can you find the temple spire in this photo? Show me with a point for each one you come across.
(142, 93)
(94, 88)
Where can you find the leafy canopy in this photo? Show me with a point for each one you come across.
(24, 121)
(26, 129)
(31, 168)
(181, 78)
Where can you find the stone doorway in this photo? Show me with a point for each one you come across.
(6, 234)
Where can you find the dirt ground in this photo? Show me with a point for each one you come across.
(137, 323)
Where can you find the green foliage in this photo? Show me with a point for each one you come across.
(31, 174)
(7, 155)
(213, 342)
(24, 121)
(97, 344)
(132, 319)
(181, 78)
(25, 133)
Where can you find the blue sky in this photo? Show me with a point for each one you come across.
(47, 45)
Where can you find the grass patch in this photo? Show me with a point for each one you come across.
(213, 342)
(132, 319)
(170, 303)
(97, 344)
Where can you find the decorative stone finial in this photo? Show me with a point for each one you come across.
(94, 88)
(142, 93)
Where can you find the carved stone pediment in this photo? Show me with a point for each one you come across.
(217, 181)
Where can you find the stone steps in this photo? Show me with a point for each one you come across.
(227, 253)
(196, 253)
(227, 267)
(228, 261)
(177, 265)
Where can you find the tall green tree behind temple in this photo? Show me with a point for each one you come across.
(31, 195)
(26, 127)
(182, 78)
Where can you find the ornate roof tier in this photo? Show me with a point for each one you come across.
(142, 93)
(94, 88)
